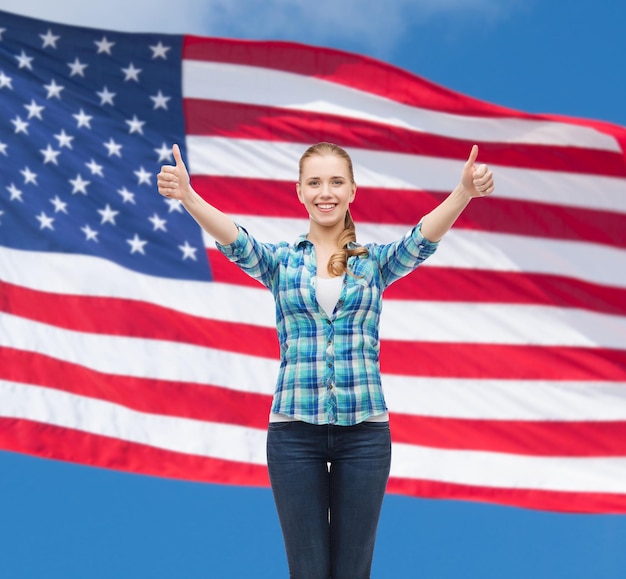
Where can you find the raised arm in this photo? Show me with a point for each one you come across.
(476, 181)
(174, 183)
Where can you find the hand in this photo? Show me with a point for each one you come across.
(173, 180)
(477, 181)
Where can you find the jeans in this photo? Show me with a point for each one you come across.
(329, 483)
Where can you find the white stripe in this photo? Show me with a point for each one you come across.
(499, 470)
(244, 444)
(536, 400)
(207, 439)
(255, 159)
(157, 359)
(160, 360)
(275, 88)
(509, 324)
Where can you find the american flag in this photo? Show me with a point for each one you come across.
(128, 342)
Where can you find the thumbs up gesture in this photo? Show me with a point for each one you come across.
(476, 180)
(173, 180)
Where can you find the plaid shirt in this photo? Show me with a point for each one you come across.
(329, 366)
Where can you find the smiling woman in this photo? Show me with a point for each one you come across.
(328, 442)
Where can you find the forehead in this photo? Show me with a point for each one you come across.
(325, 165)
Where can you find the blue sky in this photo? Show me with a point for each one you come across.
(66, 521)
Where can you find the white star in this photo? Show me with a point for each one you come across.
(160, 50)
(164, 153)
(90, 234)
(20, 125)
(29, 176)
(50, 155)
(64, 139)
(77, 67)
(5, 80)
(59, 205)
(24, 61)
(45, 222)
(136, 126)
(174, 205)
(188, 251)
(49, 39)
(127, 196)
(15, 193)
(83, 119)
(113, 148)
(108, 215)
(95, 168)
(131, 73)
(136, 244)
(157, 223)
(3, 148)
(160, 101)
(104, 45)
(54, 89)
(143, 176)
(34, 110)
(106, 97)
(79, 185)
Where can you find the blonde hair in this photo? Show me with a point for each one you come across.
(338, 262)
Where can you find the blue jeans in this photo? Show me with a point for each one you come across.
(329, 514)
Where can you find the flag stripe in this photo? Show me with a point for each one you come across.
(243, 444)
(262, 85)
(239, 120)
(253, 159)
(278, 199)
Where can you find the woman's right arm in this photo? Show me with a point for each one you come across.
(174, 183)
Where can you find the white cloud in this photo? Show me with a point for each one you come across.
(376, 26)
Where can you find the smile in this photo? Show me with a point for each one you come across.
(326, 206)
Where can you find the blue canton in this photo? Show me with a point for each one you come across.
(86, 119)
(329, 366)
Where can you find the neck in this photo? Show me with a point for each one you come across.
(324, 236)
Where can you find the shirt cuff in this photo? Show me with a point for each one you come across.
(234, 249)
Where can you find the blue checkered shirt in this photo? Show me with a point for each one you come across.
(329, 366)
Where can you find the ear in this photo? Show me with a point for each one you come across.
(353, 194)
(299, 192)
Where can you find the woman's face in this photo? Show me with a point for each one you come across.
(326, 189)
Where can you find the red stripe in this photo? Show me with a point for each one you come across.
(264, 197)
(119, 317)
(344, 68)
(487, 361)
(245, 121)
(522, 437)
(572, 502)
(58, 443)
(474, 286)
(149, 395)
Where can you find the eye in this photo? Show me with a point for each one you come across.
(338, 182)
(314, 183)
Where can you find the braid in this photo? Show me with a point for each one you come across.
(338, 262)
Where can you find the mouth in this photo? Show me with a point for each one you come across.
(326, 206)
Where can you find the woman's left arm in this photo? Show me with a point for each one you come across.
(476, 181)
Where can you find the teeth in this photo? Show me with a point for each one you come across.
(329, 206)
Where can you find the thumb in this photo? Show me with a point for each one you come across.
(472, 156)
(177, 156)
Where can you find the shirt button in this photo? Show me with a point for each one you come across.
(330, 364)
(328, 322)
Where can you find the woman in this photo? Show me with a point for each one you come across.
(328, 443)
